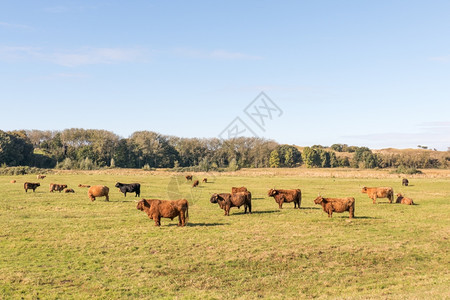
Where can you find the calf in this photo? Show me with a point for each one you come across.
(98, 191)
(405, 182)
(157, 209)
(129, 188)
(227, 201)
(30, 186)
(205, 180)
(57, 187)
(286, 196)
(69, 191)
(195, 184)
(404, 200)
(40, 176)
(13, 181)
(339, 205)
(379, 192)
(188, 177)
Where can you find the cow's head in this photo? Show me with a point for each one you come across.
(364, 190)
(318, 200)
(214, 198)
(64, 186)
(142, 204)
(272, 192)
(118, 185)
(38, 184)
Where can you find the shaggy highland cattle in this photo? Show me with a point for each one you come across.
(238, 189)
(338, 205)
(98, 191)
(40, 176)
(188, 177)
(195, 184)
(286, 196)
(129, 188)
(405, 182)
(30, 186)
(69, 191)
(13, 181)
(157, 209)
(57, 187)
(226, 201)
(379, 192)
(404, 200)
(205, 180)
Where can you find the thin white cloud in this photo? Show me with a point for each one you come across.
(15, 26)
(83, 56)
(444, 58)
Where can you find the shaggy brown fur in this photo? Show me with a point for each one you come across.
(195, 183)
(379, 192)
(84, 185)
(69, 191)
(238, 189)
(30, 186)
(98, 191)
(286, 196)
(41, 176)
(57, 187)
(157, 209)
(13, 181)
(205, 180)
(188, 177)
(226, 201)
(405, 182)
(404, 200)
(339, 205)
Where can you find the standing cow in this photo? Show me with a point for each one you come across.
(405, 182)
(286, 196)
(157, 209)
(339, 205)
(379, 192)
(98, 191)
(57, 187)
(30, 186)
(129, 188)
(188, 177)
(226, 201)
(195, 184)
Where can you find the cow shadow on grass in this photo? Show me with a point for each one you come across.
(309, 208)
(256, 212)
(358, 217)
(190, 224)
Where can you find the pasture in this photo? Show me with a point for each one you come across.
(57, 245)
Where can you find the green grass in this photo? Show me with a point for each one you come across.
(56, 245)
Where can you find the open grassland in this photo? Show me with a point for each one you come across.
(56, 245)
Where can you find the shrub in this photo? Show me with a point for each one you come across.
(404, 170)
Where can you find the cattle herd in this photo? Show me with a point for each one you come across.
(239, 196)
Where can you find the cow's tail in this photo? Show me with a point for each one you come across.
(187, 211)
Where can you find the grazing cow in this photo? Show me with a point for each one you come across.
(84, 185)
(30, 186)
(286, 196)
(238, 189)
(195, 184)
(157, 209)
(379, 192)
(205, 180)
(69, 191)
(404, 200)
(13, 181)
(40, 176)
(129, 188)
(57, 187)
(98, 191)
(405, 182)
(189, 177)
(339, 205)
(227, 201)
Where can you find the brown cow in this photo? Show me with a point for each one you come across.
(157, 209)
(227, 201)
(405, 182)
(195, 183)
(84, 185)
(13, 181)
(238, 189)
(379, 192)
(69, 191)
(339, 205)
(30, 186)
(57, 187)
(98, 191)
(40, 176)
(205, 180)
(404, 200)
(188, 177)
(286, 196)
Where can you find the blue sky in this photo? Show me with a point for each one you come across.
(372, 73)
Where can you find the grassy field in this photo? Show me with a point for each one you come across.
(56, 245)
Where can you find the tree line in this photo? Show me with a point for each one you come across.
(92, 149)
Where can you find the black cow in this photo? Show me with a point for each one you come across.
(30, 186)
(129, 188)
(405, 182)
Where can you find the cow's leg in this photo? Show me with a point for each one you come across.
(125, 194)
(351, 212)
(107, 197)
(249, 208)
(280, 204)
(374, 200)
(182, 219)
